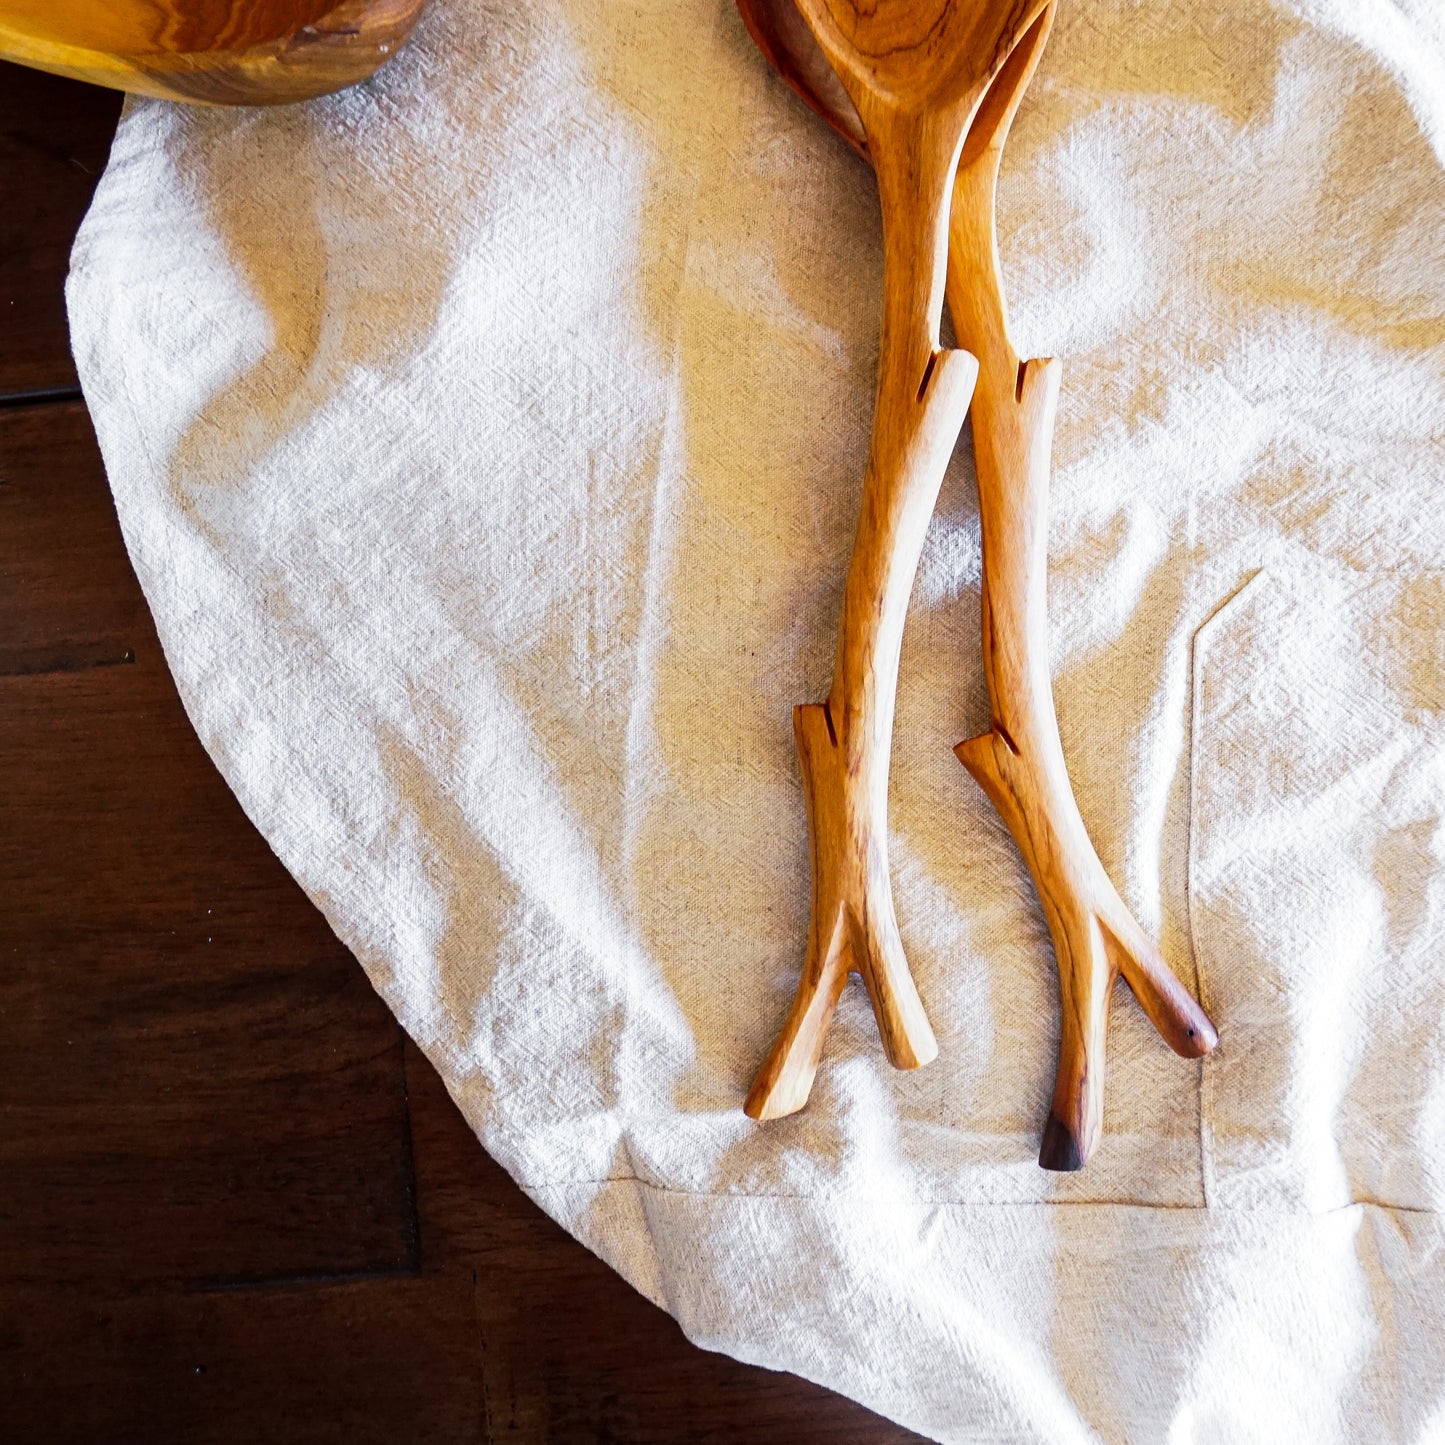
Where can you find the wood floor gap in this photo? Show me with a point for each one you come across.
(37, 661)
(43, 396)
(413, 1233)
(303, 1279)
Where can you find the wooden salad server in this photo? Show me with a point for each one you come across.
(210, 52)
(1019, 762)
(914, 72)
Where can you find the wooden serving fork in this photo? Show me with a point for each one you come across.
(1019, 762)
(914, 72)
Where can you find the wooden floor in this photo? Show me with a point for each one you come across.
(235, 1203)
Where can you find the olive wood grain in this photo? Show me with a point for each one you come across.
(210, 52)
(1019, 762)
(914, 74)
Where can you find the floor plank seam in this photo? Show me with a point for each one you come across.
(414, 1248)
(41, 396)
(305, 1279)
(488, 1433)
(62, 657)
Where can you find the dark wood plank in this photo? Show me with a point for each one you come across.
(573, 1353)
(65, 579)
(54, 139)
(383, 1361)
(200, 1084)
(207, 1227)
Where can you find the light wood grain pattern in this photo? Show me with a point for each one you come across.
(914, 74)
(1019, 762)
(217, 52)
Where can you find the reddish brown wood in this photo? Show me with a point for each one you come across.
(163, 978)
(54, 139)
(364, 1361)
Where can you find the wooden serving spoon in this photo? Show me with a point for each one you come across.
(1019, 762)
(212, 52)
(913, 72)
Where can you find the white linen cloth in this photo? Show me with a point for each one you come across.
(488, 442)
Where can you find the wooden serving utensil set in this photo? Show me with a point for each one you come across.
(926, 90)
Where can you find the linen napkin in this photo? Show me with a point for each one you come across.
(488, 441)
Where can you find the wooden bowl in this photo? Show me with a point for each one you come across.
(210, 52)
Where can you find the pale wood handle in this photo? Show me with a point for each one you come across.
(844, 743)
(1019, 762)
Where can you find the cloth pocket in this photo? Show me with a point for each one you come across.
(1317, 888)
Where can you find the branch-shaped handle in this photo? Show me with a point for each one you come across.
(844, 743)
(1019, 762)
